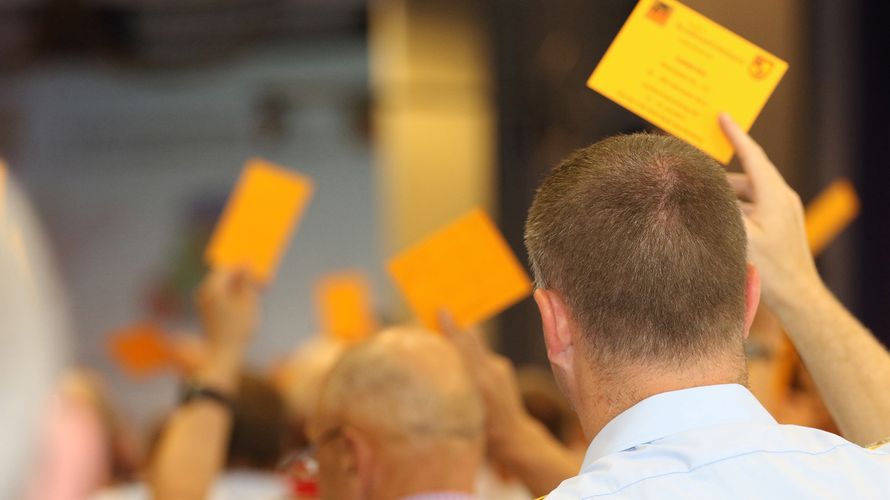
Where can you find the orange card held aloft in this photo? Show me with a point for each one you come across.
(466, 268)
(343, 304)
(259, 219)
(140, 350)
(830, 213)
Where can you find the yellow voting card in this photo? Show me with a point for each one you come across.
(343, 304)
(830, 213)
(466, 268)
(679, 70)
(259, 218)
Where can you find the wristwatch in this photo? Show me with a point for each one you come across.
(195, 390)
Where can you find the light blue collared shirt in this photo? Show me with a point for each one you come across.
(719, 442)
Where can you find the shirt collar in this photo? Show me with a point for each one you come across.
(674, 412)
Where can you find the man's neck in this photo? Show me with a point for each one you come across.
(427, 474)
(604, 398)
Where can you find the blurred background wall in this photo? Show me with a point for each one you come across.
(130, 148)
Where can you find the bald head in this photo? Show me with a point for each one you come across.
(398, 416)
(404, 384)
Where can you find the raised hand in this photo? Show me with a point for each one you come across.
(774, 219)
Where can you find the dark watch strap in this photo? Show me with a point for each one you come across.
(195, 391)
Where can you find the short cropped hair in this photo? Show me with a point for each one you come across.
(642, 237)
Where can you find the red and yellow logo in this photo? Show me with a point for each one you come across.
(659, 12)
(760, 67)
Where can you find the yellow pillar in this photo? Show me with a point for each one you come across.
(434, 125)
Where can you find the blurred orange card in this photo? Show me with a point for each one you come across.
(830, 213)
(678, 69)
(466, 268)
(259, 219)
(141, 349)
(343, 302)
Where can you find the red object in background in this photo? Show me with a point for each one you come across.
(301, 470)
(305, 489)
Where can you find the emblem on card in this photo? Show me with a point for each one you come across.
(760, 67)
(659, 12)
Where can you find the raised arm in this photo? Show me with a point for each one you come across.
(848, 364)
(515, 439)
(192, 450)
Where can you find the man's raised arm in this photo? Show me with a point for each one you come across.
(849, 365)
(192, 449)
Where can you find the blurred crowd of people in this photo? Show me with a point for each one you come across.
(650, 263)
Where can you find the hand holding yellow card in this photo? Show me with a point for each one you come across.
(829, 213)
(344, 306)
(259, 219)
(679, 70)
(466, 268)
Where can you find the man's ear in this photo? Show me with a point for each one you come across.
(752, 297)
(557, 325)
(357, 459)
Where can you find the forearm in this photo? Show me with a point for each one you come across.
(536, 457)
(193, 446)
(849, 365)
